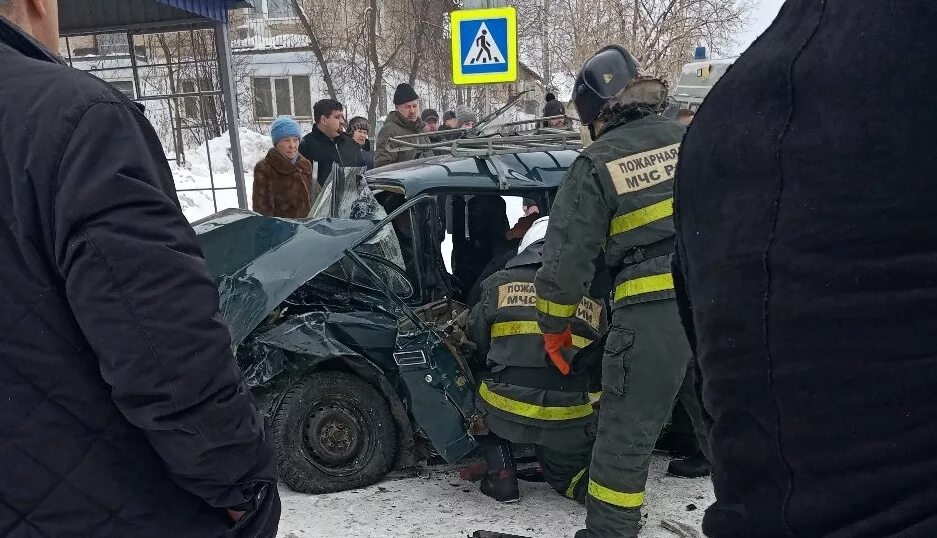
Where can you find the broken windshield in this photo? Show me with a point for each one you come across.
(347, 195)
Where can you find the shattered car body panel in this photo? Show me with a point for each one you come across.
(301, 295)
(259, 261)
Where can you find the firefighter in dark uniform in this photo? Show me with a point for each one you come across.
(618, 195)
(525, 399)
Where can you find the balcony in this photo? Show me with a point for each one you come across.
(268, 34)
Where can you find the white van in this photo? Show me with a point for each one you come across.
(697, 78)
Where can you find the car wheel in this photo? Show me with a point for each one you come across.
(333, 432)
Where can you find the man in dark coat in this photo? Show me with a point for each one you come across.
(326, 145)
(124, 413)
(808, 276)
(403, 121)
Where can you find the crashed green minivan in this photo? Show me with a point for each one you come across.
(348, 326)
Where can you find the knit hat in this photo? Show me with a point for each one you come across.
(464, 114)
(358, 122)
(554, 108)
(404, 94)
(429, 114)
(448, 115)
(284, 127)
(550, 97)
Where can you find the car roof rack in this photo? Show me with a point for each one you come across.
(524, 136)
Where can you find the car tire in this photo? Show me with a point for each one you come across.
(333, 432)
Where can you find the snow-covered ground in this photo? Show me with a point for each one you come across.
(195, 173)
(443, 506)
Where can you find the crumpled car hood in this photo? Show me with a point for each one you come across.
(259, 261)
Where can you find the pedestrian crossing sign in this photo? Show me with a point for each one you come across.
(484, 45)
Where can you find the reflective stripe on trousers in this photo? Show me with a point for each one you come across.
(571, 490)
(533, 411)
(615, 498)
(515, 328)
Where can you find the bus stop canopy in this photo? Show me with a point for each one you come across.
(77, 17)
(89, 17)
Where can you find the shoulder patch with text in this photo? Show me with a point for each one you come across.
(517, 294)
(643, 170)
(524, 294)
(590, 312)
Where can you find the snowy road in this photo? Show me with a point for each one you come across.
(443, 506)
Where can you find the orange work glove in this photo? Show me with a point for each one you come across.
(554, 344)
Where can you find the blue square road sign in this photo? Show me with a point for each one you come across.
(484, 46)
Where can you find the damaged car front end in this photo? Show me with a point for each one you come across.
(353, 366)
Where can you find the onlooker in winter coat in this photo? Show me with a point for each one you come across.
(431, 120)
(283, 185)
(465, 117)
(359, 129)
(326, 144)
(401, 122)
(554, 108)
(449, 121)
(124, 413)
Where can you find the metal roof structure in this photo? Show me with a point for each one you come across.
(94, 17)
(78, 17)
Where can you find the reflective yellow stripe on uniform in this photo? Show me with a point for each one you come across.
(571, 490)
(640, 286)
(514, 328)
(556, 309)
(533, 411)
(641, 217)
(615, 498)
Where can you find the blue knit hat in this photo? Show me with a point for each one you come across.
(284, 127)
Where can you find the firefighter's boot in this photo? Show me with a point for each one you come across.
(696, 466)
(501, 481)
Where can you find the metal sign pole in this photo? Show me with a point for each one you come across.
(223, 47)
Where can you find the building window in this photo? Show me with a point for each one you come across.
(263, 98)
(111, 44)
(191, 104)
(279, 8)
(125, 87)
(282, 96)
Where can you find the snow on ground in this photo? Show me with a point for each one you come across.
(194, 174)
(444, 506)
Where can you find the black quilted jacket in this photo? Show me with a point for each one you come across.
(808, 277)
(122, 413)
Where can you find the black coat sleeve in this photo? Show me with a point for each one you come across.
(139, 288)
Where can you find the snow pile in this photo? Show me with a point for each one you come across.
(195, 174)
(443, 506)
(282, 41)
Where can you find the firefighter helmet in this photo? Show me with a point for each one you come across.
(601, 78)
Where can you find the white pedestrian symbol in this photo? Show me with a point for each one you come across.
(484, 49)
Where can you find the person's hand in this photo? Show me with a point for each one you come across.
(235, 515)
(554, 344)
